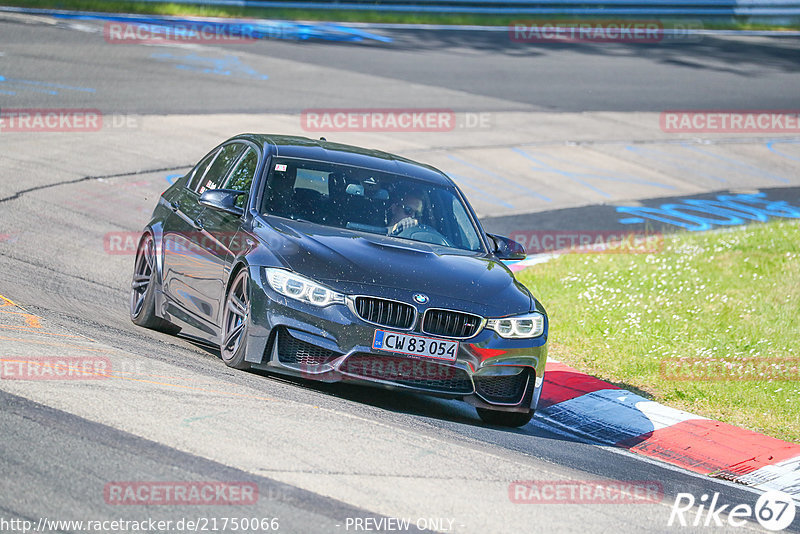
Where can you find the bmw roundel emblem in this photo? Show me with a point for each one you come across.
(419, 298)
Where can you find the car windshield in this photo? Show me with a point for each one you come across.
(366, 200)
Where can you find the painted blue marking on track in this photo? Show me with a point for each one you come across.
(224, 66)
(663, 215)
(703, 214)
(526, 190)
(53, 85)
(575, 176)
(602, 174)
(12, 85)
(468, 183)
(615, 415)
(739, 164)
(219, 72)
(172, 177)
(771, 148)
(647, 152)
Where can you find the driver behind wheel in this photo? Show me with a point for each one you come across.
(404, 213)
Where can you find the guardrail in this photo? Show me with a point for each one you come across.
(674, 8)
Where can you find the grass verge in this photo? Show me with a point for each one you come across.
(149, 8)
(716, 299)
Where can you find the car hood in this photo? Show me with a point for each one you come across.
(346, 260)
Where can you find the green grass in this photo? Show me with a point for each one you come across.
(719, 295)
(148, 8)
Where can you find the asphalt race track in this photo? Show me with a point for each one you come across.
(547, 136)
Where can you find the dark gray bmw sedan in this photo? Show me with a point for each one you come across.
(333, 262)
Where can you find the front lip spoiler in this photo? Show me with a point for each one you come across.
(340, 361)
(331, 372)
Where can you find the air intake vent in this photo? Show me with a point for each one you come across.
(448, 323)
(385, 312)
(507, 389)
(294, 351)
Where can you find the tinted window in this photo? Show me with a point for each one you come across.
(469, 240)
(200, 170)
(313, 180)
(371, 201)
(217, 171)
(241, 177)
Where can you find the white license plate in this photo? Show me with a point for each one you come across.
(427, 347)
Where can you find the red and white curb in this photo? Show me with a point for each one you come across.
(601, 412)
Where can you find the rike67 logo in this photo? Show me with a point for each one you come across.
(774, 510)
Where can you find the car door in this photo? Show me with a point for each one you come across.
(221, 233)
(188, 274)
(177, 234)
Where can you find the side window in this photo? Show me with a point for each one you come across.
(199, 171)
(241, 177)
(217, 171)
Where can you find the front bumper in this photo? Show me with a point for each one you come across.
(333, 344)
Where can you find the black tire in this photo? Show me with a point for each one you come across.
(498, 418)
(235, 321)
(142, 302)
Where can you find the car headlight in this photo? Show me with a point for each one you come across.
(301, 288)
(519, 327)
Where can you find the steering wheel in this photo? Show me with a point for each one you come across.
(424, 233)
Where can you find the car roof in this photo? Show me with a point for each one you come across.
(291, 146)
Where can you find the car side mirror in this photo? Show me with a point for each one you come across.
(223, 200)
(507, 249)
